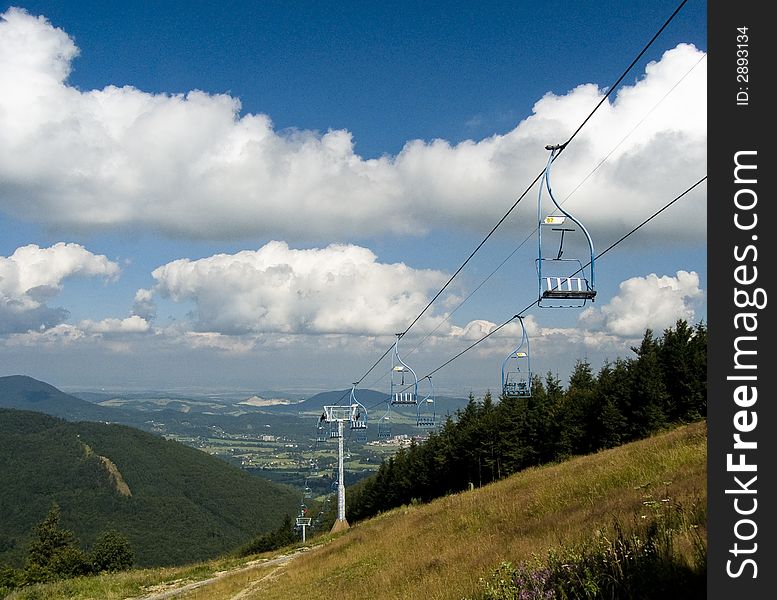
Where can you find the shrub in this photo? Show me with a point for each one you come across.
(68, 561)
(111, 552)
(9, 579)
(54, 554)
(283, 536)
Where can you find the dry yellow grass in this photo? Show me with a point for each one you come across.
(440, 550)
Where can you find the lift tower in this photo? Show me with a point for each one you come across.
(339, 415)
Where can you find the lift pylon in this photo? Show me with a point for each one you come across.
(339, 415)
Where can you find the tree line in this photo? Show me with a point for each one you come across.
(54, 553)
(665, 383)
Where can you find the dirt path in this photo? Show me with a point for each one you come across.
(273, 564)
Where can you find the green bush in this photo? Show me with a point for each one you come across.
(54, 554)
(9, 579)
(69, 561)
(111, 552)
(283, 536)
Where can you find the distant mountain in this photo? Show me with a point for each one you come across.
(93, 397)
(25, 393)
(174, 503)
(367, 397)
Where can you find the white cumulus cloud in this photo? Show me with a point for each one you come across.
(192, 165)
(132, 324)
(647, 302)
(32, 274)
(336, 289)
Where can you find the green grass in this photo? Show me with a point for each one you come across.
(442, 551)
(116, 586)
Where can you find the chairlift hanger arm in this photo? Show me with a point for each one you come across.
(554, 151)
(518, 387)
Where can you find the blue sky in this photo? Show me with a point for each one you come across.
(245, 195)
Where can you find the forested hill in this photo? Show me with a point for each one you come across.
(25, 393)
(173, 503)
(664, 384)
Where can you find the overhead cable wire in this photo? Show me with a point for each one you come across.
(651, 217)
(471, 346)
(610, 247)
(472, 293)
(632, 130)
(610, 90)
(568, 196)
(531, 185)
(623, 76)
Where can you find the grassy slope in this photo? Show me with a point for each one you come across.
(185, 505)
(440, 550)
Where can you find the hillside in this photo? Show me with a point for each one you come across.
(174, 503)
(439, 551)
(25, 393)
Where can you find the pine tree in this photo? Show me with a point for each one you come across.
(579, 410)
(683, 359)
(49, 539)
(613, 390)
(648, 399)
(54, 552)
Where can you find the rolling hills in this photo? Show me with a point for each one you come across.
(183, 416)
(445, 549)
(25, 393)
(174, 503)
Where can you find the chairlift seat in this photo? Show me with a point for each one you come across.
(568, 288)
(404, 398)
(516, 389)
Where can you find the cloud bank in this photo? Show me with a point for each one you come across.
(191, 165)
(336, 289)
(647, 302)
(32, 275)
